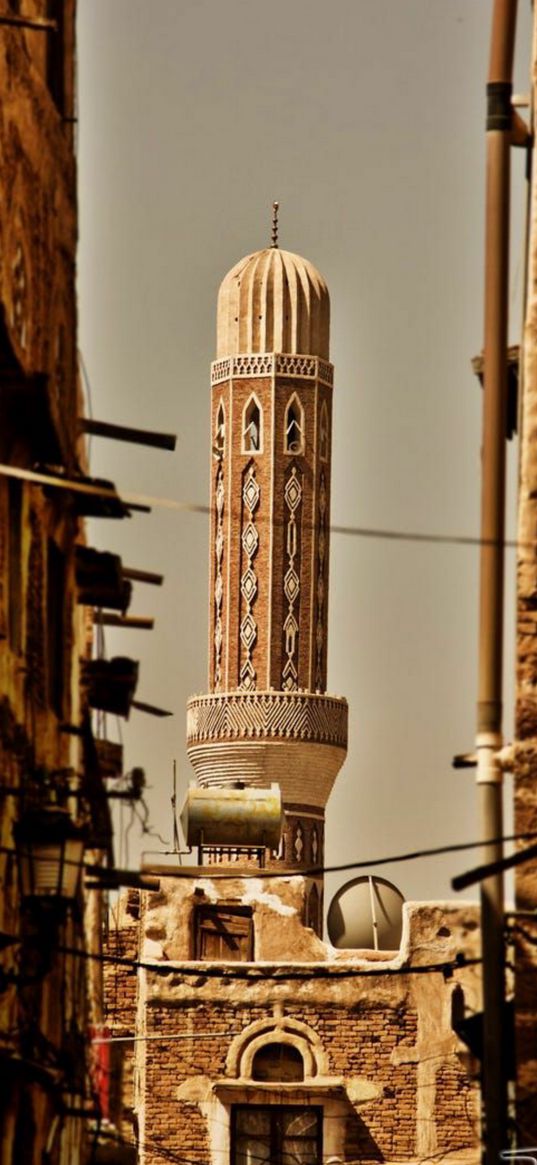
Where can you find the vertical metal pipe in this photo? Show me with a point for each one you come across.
(373, 914)
(489, 708)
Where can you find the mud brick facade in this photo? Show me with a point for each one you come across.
(382, 1063)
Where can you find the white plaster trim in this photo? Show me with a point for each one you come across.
(280, 1029)
(256, 895)
(291, 365)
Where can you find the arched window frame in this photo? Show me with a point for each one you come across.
(294, 448)
(324, 433)
(247, 420)
(220, 429)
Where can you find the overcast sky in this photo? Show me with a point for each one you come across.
(365, 118)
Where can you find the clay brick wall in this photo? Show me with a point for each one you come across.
(119, 1015)
(456, 1119)
(360, 1041)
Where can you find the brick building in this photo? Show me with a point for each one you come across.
(255, 1039)
(52, 790)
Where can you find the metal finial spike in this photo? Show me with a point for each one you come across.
(275, 209)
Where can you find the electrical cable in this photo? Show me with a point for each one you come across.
(128, 498)
(274, 972)
(316, 871)
(308, 871)
(98, 1040)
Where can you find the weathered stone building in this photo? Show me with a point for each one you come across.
(255, 1040)
(51, 775)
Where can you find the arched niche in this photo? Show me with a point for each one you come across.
(220, 429)
(252, 426)
(293, 427)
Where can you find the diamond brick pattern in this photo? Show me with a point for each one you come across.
(291, 585)
(250, 539)
(250, 493)
(293, 493)
(249, 585)
(248, 631)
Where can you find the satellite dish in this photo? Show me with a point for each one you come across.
(366, 914)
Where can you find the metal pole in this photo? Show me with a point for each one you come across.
(489, 708)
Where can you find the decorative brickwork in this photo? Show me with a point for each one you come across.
(303, 716)
(249, 582)
(272, 364)
(320, 667)
(219, 577)
(291, 578)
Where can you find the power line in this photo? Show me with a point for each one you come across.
(316, 871)
(275, 972)
(147, 1039)
(306, 872)
(133, 499)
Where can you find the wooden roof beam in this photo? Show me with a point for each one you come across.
(124, 433)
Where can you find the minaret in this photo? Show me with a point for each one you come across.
(267, 717)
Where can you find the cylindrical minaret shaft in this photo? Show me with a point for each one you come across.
(266, 717)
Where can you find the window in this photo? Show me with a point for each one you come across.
(223, 933)
(294, 427)
(276, 1135)
(278, 1062)
(252, 429)
(220, 430)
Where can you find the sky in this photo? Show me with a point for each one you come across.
(365, 118)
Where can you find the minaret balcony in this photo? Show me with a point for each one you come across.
(297, 739)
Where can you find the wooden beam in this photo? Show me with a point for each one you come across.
(145, 576)
(150, 708)
(125, 433)
(35, 23)
(109, 619)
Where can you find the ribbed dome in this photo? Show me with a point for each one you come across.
(273, 301)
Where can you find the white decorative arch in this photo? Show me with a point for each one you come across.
(252, 426)
(220, 428)
(293, 427)
(284, 1030)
